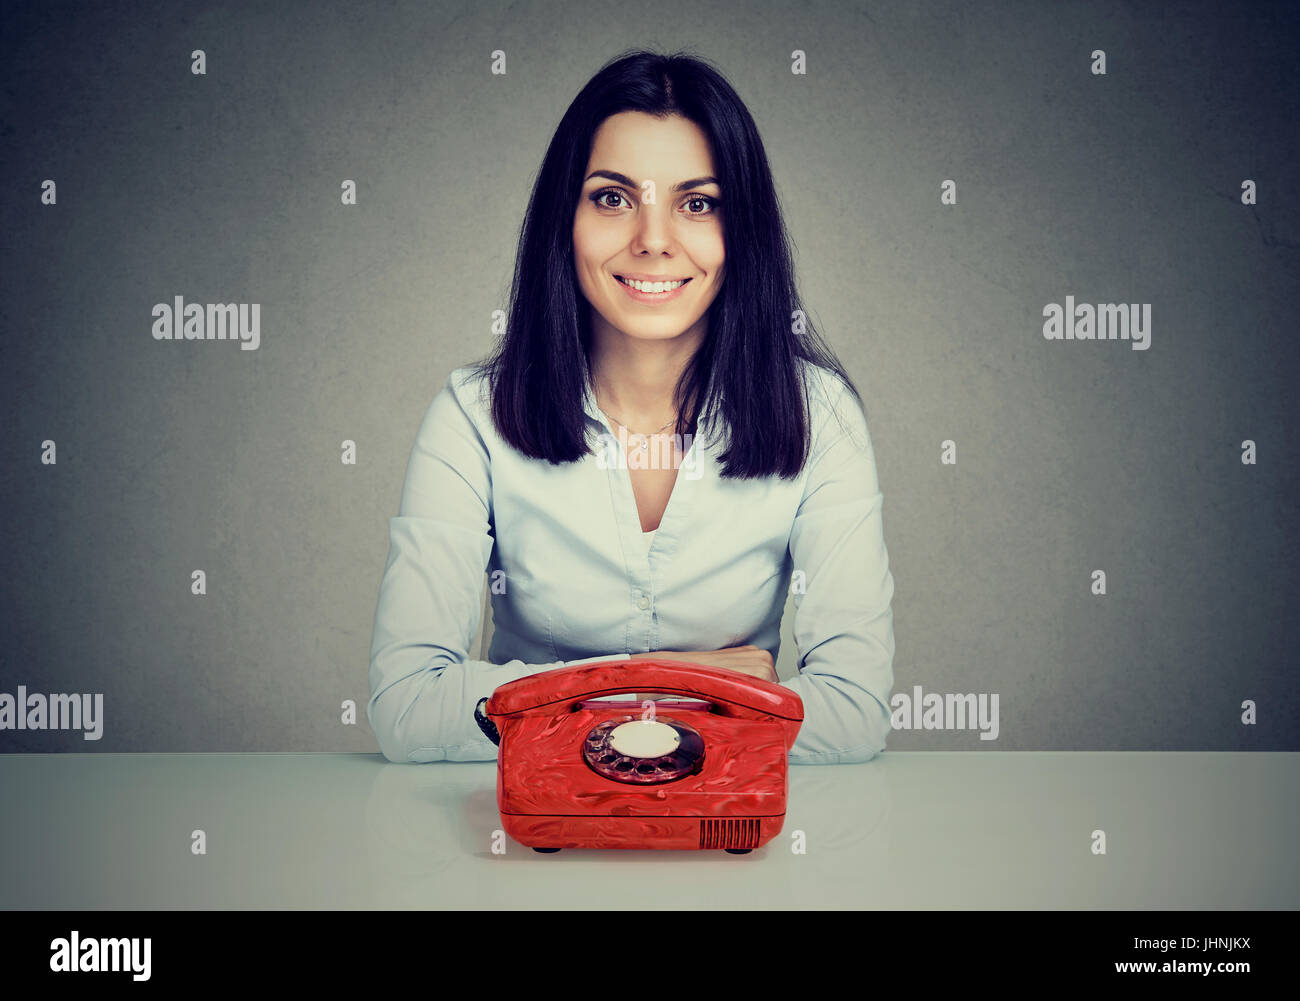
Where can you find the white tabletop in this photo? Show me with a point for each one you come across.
(984, 830)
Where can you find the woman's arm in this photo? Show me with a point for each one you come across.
(423, 687)
(843, 622)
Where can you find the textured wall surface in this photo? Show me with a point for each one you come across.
(1128, 186)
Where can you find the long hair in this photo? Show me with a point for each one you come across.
(745, 380)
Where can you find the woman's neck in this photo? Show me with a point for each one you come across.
(634, 379)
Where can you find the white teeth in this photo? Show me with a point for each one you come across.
(652, 286)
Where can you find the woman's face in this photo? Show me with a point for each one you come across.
(618, 232)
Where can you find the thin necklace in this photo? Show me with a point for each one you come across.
(645, 439)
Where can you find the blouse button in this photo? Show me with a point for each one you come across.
(643, 603)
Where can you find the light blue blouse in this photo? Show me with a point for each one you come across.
(571, 577)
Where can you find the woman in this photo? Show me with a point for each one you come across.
(654, 313)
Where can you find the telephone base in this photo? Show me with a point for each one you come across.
(729, 851)
(734, 834)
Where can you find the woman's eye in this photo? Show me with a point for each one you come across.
(599, 197)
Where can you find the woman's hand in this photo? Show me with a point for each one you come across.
(751, 660)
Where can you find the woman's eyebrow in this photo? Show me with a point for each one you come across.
(614, 175)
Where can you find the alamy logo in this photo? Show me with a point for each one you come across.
(213, 321)
(101, 955)
(659, 452)
(55, 712)
(933, 711)
(1105, 321)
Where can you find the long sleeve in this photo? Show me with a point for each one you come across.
(423, 689)
(843, 624)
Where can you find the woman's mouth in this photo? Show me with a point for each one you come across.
(653, 291)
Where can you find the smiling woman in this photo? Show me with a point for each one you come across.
(641, 314)
(616, 228)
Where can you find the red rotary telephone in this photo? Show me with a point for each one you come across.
(576, 772)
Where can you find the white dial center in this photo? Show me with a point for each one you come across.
(644, 738)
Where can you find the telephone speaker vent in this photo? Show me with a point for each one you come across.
(720, 833)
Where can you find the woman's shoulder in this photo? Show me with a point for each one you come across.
(460, 407)
(466, 390)
(831, 403)
(824, 385)
(469, 384)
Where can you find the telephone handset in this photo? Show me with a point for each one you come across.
(733, 693)
(575, 770)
